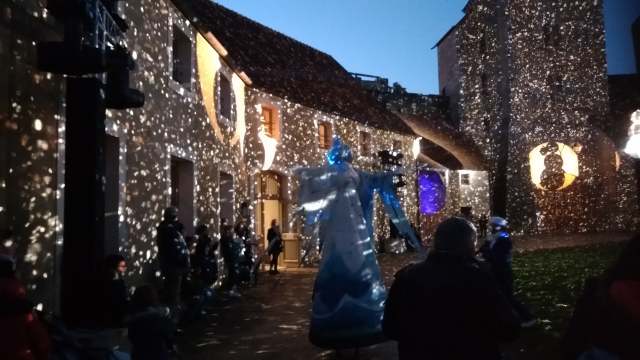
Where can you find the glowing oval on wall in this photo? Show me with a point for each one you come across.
(433, 192)
(554, 165)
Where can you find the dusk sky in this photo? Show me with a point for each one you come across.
(393, 38)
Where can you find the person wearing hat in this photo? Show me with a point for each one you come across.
(496, 251)
(173, 255)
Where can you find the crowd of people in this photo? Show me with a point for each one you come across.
(457, 304)
(153, 316)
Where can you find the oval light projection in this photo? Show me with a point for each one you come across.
(633, 145)
(554, 165)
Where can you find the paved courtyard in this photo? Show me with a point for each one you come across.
(271, 320)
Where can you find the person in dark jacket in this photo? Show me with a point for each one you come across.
(115, 296)
(496, 251)
(230, 248)
(204, 261)
(606, 319)
(482, 226)
(173, 256)
(150, 331)
(446, 307)
(274, 236)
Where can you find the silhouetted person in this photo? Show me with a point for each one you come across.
(446, 307)
(150, 330)
(115, 297)
(482, 226)
(230, 248)
(496, 251)
(173, 255)
(274, 236)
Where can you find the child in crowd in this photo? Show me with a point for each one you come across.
(231, 248)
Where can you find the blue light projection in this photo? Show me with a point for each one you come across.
(433, 192)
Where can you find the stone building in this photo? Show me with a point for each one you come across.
(452, 170)
(528, 82)
(231, 107)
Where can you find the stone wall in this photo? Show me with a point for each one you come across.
(533, 73)
(31, 104)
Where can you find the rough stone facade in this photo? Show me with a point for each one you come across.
(533, 73)
(180, 124)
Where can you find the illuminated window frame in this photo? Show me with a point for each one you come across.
(184, 89)
(324, 141)
(272, 103)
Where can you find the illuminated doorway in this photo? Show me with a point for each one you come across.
(270, 204)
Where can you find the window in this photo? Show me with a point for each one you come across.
(487, 126)
(556, 35)
(226, 197)
(558, 84)
(269, 121)
(182, 185)
(554, 84)
(482, 43)
(181, 52)
(225, 96)
(465, 179)
(546, 34)
(397, 145)
(365, 143)
(444, 91)
(484, 87)
(325, 134)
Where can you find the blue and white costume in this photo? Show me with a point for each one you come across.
(349, 294)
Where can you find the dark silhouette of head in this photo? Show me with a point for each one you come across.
(144, 297)
(171, 213)
(456, 234)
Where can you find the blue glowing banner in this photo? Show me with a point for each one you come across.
(433, 192)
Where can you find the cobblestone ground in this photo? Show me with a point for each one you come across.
(271, 320)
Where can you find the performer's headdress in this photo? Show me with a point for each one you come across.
(339, 152)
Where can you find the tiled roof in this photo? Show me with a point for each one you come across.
(285, 67)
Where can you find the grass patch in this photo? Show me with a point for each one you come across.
(548, 282)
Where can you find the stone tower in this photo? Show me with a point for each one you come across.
(528, 81)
